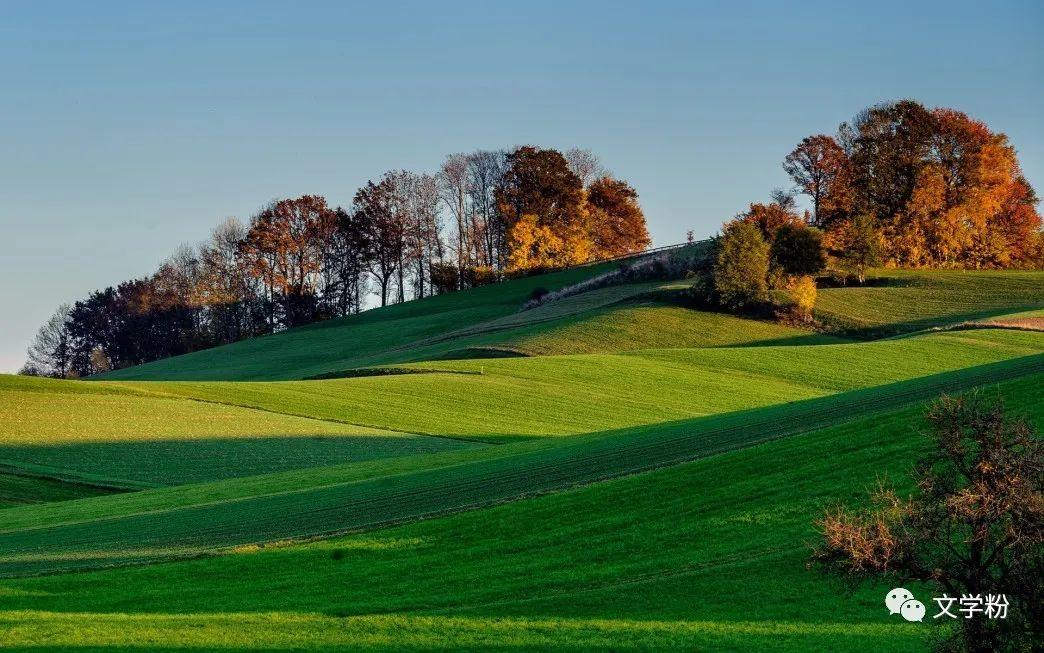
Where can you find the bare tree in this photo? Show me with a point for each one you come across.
(585, 164)
(424, 242)
(455, 184)
(486, 169)
(50, 353)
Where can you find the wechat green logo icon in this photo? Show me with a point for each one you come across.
(902, 602)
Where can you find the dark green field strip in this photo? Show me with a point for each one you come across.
(18, 489)
(160, 462)
(368, 504)
(105, 484)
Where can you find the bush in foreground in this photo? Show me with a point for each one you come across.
(975, 527)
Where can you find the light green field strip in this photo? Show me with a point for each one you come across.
(509, 473)
(567, 395)
(288, 631)
(709, 555)
(99, 432)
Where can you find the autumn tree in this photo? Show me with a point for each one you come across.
(741, 265)
(225, 286)
(375, 205)
(538, 183)
(533, 246)
(768, 218)
(284, 248)
(617, 222)
(974, 527)
(944, 189)
(822, 170)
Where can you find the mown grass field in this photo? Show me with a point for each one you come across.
(118, 436)
(705, 555)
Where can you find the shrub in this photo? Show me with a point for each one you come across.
(479, 276)
(863, 247)
(802, 293)
(444, 277)
(742, 265)
(798, 249)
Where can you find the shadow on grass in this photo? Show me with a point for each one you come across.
(137, 464)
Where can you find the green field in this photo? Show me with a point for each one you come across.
(121, 437)
(908, 300)
(566, 395)
(706, 554)
(613, 470)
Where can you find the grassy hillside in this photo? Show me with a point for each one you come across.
(487, 321)
(356, 340)
(908, 300)
(501, 399)
(119, 530)
(705, 555)
(116, 435)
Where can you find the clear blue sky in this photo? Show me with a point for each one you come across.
(128, 128)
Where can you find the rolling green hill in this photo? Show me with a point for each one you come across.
(123, 529)
(705, 555)
(607, 470)
(488, 322)
(908, 300)
(356, 340)
(507, 398)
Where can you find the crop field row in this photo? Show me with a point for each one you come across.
(409, 496)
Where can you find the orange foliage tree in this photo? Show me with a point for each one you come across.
(942, 188)
(616, 219)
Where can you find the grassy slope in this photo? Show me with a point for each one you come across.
(564, 395)
(467, 324)
(916, 299)
(363, 339)
(647, 324)
(107, 432)
(707, 555)
(185, 521)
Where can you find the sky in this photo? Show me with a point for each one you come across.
(127, 129)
